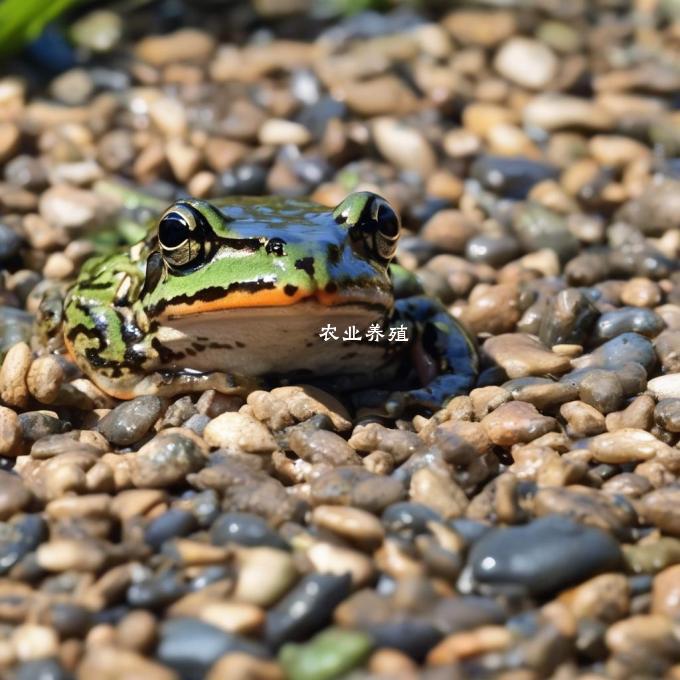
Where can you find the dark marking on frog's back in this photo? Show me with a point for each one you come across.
(289, 289)
(306, 264)
(331, 287)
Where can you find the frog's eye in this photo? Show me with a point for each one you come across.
(276, 246)
(181, 236)
(374, 226)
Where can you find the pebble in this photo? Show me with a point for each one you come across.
(171, 524)
(69, 554)
(245, 529)
(516, 422)
(129, 422)
(11, 434)
(70, 208)
(327, 558)
(543, 556)
(521, 355)
(186, 44)
(667, 414)
(459, 646)
(14, 495)
(167, 458)
(306, 609)
(554, 111)
(660, 508)
(13, 388)
(239, 665)
(328, 655)
(623, 349)
(605, 597)
(582, 419)
(33, 642)
(528, 63)
(241, 432)
(511, 176)
(666, 592)
(264, 575)
(439, 492)
(277, 131)
(628, 319)
(665, 386)
(404, 146)
(626, 445)
(479, 27)
(351, 523)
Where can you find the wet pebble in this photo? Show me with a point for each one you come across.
(170, 524)
(543, 556)
(628, 319)
(511, 176)
(521, 355)
(128, 423)
(516, 421)
(245, 529)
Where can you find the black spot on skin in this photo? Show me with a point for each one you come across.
(331, 287)
(191, 352)
(220, 345)
(198, 347)
(309, 344)
(290, 290)
(240, 344)
(165, 354)
(306, 264)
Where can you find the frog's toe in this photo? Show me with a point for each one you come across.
(432, 397)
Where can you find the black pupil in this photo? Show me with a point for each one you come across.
(275, 246)
(387, 220)
(172, 231)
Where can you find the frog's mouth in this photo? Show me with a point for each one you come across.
(264, 340)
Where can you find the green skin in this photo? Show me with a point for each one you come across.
(197, 303)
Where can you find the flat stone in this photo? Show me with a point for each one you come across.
(521, 355)
(516, 422)
(529, 63)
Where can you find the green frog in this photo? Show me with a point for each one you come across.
(227, 294)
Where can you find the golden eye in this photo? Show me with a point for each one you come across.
(181, 240)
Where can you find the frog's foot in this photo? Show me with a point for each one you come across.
(431, 397)
(171, 383)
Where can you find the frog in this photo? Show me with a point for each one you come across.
(232, 294)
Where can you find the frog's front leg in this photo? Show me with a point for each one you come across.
(443, 352)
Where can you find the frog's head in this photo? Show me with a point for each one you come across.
(255, 252)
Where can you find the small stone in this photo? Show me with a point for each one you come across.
(665, 386)
(171, 524)
(68, 554)
(169, 116)
(73, 87)
(306, 609)
(99, 30)
(480, 27)
(245, 529)
(184, 160)
(233, 617)
(13, 388)
(516, 422)
(70, 208)
(11, 434)
(661, 508)
(10, 136)
(330, 654)
(277, 131)
(237, 665)
(187, 44)
(529, 63)
(459, 646)
(44, 378)
(439, 492)
(241, 432)
(543, 556)
(521, 355)
(666, 592)
(492, 309)
(32, 642)
(605, 597)
(404, 146)
(327, 558)
(167, 458)
(626, 445)
(14, 495)
(556, 111)
(667, 414)
(136, 631)
(100, 659)
(130, 422)
(350, 523)
(655, 634)
(264, 575)
(582, 419)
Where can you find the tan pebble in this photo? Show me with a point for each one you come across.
(528, 63)
(10, 136)
(109, 662)
(184, 160)
(201, 184)
(666, 592)
(626, 445)
(101, 635)
(136, 631)
(234, 617)
(45, 378)
(492, 309)
(646, 631)
(404, 146)
(65, 554)
(552, 111)
(264, 575)
(391, 663)
(461, 143)
(638, 414)
(13, 388)
(352, 523)
(240, 666)
(616, 150)
(10, 433)
(439, 492)
(34, 642)
(59, 267)
(605, 597)
(568, 350)
(186, 44)
(70, 507)
(393, 560)
(470, 643)
(14, 494)
(379, 96)
(480, 27)
(99, 478)
(661, 507)
(379, 462)
(582, 419)
(479, 119)
(64, 479)
(278, 131)
(169, 116)
(193, 553)
(486, 399)
(516, 422)
(8, 656)
(520, 355)
(333, 559)
(640, 292)
(239, 431)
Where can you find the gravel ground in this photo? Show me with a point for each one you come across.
(530, 529)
